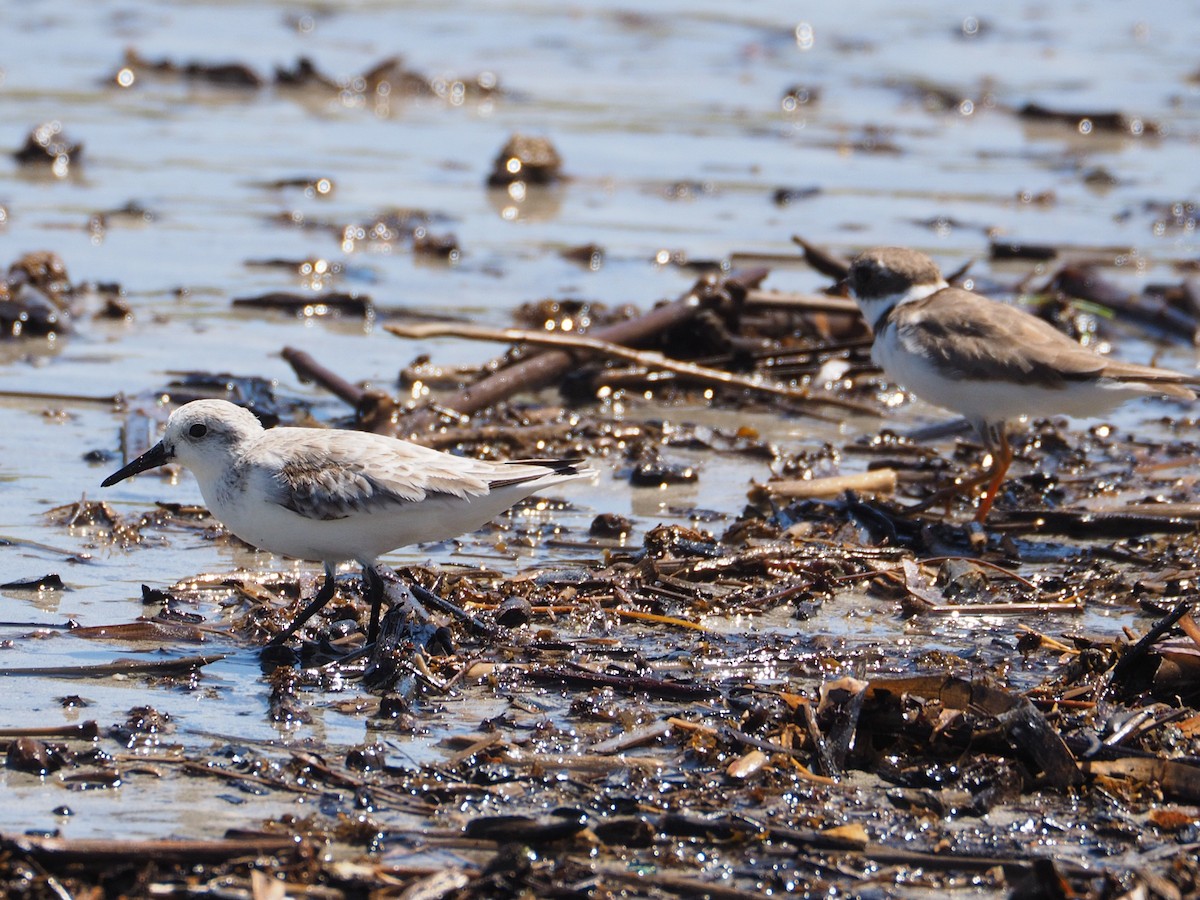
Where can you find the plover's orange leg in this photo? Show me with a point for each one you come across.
(992, 476)
(1002, 459)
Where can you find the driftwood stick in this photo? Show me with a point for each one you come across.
(106, 852)
(876, 481)
(650, 359)
(110, 400)
(546, 368)
(374, 410)
(530, 374)
(308, 369)
(810, 303)
(84, 731)
(1135, 653)
(1086, 283)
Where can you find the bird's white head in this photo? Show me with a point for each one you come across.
(883, 277)
(203, 436)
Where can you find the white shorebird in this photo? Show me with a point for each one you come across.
(332, 495)
(986, 360)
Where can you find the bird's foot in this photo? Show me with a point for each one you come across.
(403, 641)
(964, 489)
(318, 602)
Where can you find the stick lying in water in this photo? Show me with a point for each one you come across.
(650, 359)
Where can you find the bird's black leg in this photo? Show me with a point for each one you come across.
(374, 592)
(323, 596)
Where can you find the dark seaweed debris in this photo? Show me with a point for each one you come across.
(613, 757)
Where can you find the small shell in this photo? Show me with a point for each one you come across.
(745, 766)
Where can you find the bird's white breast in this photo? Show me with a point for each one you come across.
(993, 401)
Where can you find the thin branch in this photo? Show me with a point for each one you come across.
(651, 359)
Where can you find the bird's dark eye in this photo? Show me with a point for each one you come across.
(198, 430)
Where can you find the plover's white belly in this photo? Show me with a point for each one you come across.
(995, 401)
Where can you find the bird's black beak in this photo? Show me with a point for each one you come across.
(157, 455)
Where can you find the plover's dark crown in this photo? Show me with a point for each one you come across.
(890, 271)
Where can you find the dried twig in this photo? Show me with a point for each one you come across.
(803, 302)
(308, 369)
(651, 359)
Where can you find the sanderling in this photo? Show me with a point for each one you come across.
(331, 495)
(986, 360)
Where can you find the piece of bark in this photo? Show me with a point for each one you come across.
(1176, 779)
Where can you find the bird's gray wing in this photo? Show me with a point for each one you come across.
(967, 336)
(330, 475)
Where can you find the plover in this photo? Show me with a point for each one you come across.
(986, 360)
(331, 495)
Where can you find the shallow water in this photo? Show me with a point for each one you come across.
(674, 135)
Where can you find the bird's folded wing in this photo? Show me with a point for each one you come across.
(332, 477)
(967, 336)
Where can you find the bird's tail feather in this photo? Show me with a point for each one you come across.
(570, 468)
